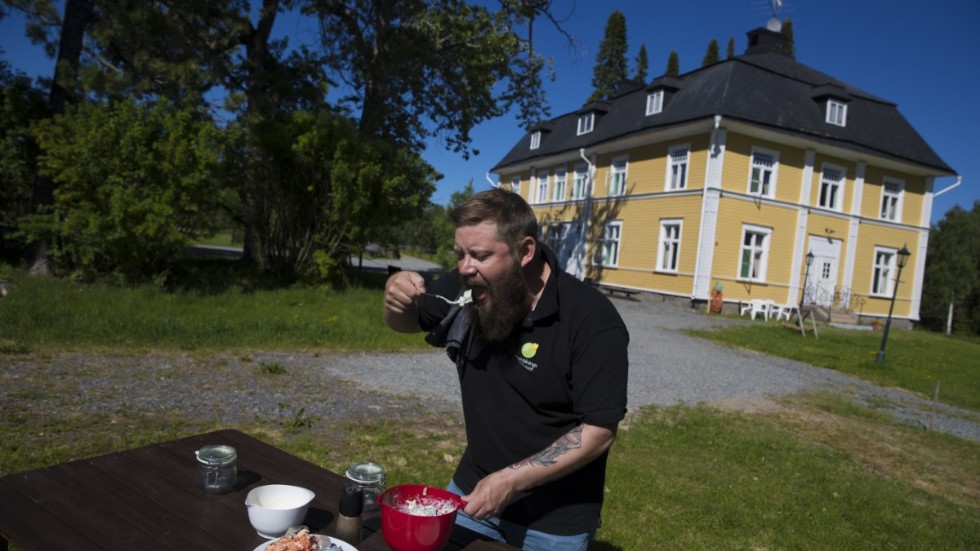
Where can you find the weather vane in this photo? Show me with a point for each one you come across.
(775, 24)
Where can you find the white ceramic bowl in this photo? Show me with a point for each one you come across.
(273, 508)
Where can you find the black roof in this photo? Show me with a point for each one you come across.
(763, 88)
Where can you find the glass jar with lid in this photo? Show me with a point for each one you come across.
(217, 469)
(371, 478)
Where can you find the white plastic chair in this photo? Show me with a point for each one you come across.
(755, 307)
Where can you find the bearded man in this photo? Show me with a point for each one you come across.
(542, 363)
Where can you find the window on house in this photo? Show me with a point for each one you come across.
(617, 177)
(891, 200)
(585, 123)
(579, 184)
(836, 112)
(677, 167)
(655, 102)
(762, 178)
(670, 245)
(884, 266)
(831, 187)
(561, 177)
(755, 253)
(536, 140)
(610, 243)
(515, 184)
(541, 189)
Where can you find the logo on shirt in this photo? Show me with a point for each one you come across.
(529, 349)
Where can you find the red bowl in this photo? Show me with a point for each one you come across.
(407, 532)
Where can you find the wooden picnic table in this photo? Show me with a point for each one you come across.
(146, 499)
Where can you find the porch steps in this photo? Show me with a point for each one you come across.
(834, 315)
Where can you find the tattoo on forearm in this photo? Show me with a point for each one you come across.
(549, 456)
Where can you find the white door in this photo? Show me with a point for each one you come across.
(822, 283)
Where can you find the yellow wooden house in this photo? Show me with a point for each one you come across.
(725, 178)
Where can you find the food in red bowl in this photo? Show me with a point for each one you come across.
(416, 517)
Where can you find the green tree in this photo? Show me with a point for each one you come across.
(673, 65)
(642, 64)
(952, 275)
(133, 187)
(610, 62)
(730, 53)
(711, 56)
(21, 103)
(790, 42)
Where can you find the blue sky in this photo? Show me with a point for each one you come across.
(919, 55)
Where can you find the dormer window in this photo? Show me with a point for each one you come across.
(655, 102)
(836, 112)
(586, 123)
(536, 140)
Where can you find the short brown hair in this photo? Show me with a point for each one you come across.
(514, 218)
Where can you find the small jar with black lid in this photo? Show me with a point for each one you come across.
(217, 469)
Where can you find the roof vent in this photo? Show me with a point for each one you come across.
(764, 41)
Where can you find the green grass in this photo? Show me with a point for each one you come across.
(50, 314)
(914, 360)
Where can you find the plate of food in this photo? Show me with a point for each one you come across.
(303, 540)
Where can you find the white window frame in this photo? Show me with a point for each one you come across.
(612, 236)
(561, 183)
(618, 170)
(837, 198)
(655, 102)
(541, 188)
(758, 253)
(669, 245)
(581, 182)
(536, 139)
(758, 166)
(884, 264)
(836, 112)
(670, 182)
(891, 200)
(586, 123)
(515, 184)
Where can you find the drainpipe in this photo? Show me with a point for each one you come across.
(959, 180)
(586, 211)
(490, 180)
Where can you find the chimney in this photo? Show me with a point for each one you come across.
(765, 41)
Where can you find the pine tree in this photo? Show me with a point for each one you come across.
(790, 44)
(642, 63)
(731, 48)
(711, 56)
(673, 65)
(610, 61)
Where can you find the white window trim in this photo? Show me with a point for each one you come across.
(842, 186)
(586, 123)
(540, 190)
(836, 112)
(655, 102)
(536, 139)
(560, 188)
(774, 177)
(763, 267)
(670, 164)
(515, 184)
(624, 161)
(892, 268)
(662, 248)
(898, 196)
(581, 176)
(606, 240)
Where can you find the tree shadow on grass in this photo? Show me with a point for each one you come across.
(599, 545)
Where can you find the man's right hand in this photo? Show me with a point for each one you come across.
(402, 292)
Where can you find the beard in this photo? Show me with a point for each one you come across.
(497, 319)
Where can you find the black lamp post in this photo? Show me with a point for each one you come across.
(903, 259)
(806, 276)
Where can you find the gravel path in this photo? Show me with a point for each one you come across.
(667, 367)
